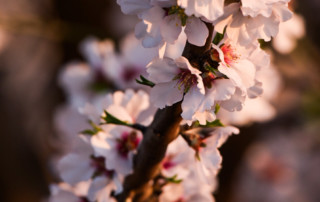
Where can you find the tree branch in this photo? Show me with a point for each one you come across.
(164, 129)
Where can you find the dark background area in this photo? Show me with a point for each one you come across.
(43, 35)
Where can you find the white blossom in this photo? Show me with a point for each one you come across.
(245, 29)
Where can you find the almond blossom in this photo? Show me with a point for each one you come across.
(163, 21)
(263, 24)
(118, 144)
(81, 166)
(175, 80)
(157, 27)
(289, 32)
(209, 9)
(228, 74)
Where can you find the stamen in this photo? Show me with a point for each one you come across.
(230, 55)
(185, 79)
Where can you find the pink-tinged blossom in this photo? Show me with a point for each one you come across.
(117, 144)
(129, 106)
(259, 109)
(82, 166)
(176, 80)
(245, 29)
(240, 70)
(75, 79)
(176, 162)
(210, 158)
(121, 68)
(242, 66)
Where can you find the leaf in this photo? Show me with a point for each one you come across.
(215, 123)
(145, 81)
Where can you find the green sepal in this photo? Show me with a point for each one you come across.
(109, 118)
(183, 19)
(217, 108)
(95, 129)
(174, 179)
(218, 37)
(145, 81)
(197, 155)
(215, 123)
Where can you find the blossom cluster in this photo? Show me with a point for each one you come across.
(226, 75)
(210, 87)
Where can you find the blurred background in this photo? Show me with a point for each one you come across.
(277, 160)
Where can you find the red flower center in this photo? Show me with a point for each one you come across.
(127, 143)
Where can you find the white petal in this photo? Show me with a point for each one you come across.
(138, 103)
(242, 72)
(97, 184)
(255, 90)
(191, 102)
(133, 6)
(196, 31)
(235, 102)
(171, 28)
(140, 29)
(120, 112)
(99, 144)
(74, 168)
(162, 70)
(165, 94)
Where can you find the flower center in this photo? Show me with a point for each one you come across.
(127, 143)
(186, 80)
(100, 168)
(230, 55)
(130, 73)
(167, 162)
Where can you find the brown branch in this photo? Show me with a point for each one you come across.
(164, 129)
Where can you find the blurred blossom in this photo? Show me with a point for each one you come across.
(283, 166)
(289, 32)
